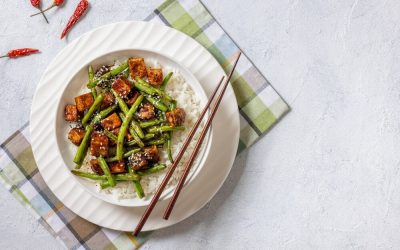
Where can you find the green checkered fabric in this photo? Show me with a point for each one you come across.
(260, 108)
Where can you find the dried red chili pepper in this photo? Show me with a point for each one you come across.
(55, 3)
(78, 13)
(20, 52)
(36, 4)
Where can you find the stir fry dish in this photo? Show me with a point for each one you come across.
(123, 122)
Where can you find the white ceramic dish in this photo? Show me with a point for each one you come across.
(142, 36)
(74, 86)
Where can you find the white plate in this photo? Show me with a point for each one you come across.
(120, 36)
(74, 87)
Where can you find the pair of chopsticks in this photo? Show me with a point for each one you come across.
(188, 165)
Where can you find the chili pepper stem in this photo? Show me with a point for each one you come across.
(4, 56)
(45, 18)
(53, 5)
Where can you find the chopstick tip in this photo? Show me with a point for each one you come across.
(238, 54)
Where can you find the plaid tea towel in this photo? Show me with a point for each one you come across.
(260, 108)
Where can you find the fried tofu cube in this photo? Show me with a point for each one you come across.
(132, 98)
(111, 122)
(138, 161)
(155, 76)
(75, 135)
(151, 153)
(141, 160)
(95, 166)
(176, 117)
(84, 102)
(122, 86)
(117, 167)
(108, 100)
(146, 111)
(99, 144)
(71, 113)
(137, 67)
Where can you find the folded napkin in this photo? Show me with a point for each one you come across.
(260, 108)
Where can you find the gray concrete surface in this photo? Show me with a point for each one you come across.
(326, 177)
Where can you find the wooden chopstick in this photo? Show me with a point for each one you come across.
(171, 170)
(188, 165)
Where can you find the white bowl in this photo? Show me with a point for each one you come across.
(73, 88)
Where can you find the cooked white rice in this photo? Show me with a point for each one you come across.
(187, 99)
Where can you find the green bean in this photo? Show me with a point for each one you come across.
(136, 127)
(156, 142)
(118, 69)
(147, 88)
(165, 128)
(136, 138)
(146, 138)
(94, 92)
(126, 73)
(157, 103)
(135, 130)
(95, 105)
(117, 177)
(169, 148)
(106, 170)
(110, 135)
(126, 155)
(105, 184)
(136, 184)
(111, 159)
(109, 74)
(124, 127)
(88, 175)
(154, 169)
(91, 78)
(127, 177)
(82, 149)
(121, 103)
(131, 152)
(165, 81)
(150, 123)
(102, 114)
(172, 106)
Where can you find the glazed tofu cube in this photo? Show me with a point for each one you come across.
(75, 135)
(122, 86)
(146, 111)
(109, 99)
(138, 161)
(141, 160)
(95, 166)
(117, 167)
(132, 98)
(137, 67)
(176, 117)
(151, 153)
(99, 144)
(155, 76)
(111, 122)
(84, 102)
(71, 113)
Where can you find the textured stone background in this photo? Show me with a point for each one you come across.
(326, 177)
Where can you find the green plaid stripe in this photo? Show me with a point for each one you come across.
(259, 104)
(260, 108)
(19, 174)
